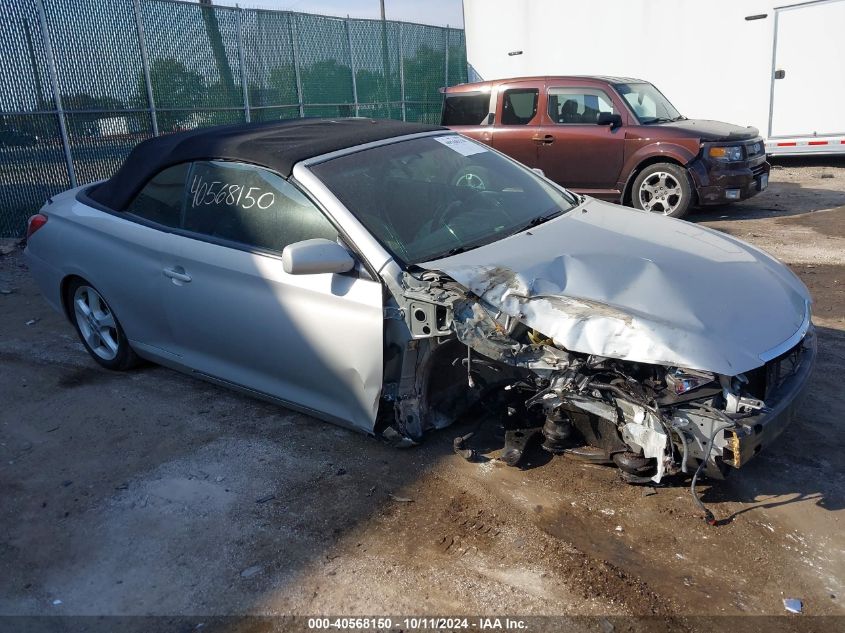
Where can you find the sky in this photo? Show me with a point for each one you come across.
(436, 12)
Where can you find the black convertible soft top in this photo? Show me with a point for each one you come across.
(278, 146)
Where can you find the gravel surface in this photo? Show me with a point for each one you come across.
(153, 493)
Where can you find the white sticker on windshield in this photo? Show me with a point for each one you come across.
(463, 146)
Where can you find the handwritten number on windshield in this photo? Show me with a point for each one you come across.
(234, 195)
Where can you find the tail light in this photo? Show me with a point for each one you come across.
(34, 223)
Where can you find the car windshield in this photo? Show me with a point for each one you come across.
(431, 197)
(648, 103)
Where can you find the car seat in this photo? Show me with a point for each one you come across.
(569, 112)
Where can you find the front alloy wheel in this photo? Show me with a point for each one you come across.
(663, 188)
(660, 193)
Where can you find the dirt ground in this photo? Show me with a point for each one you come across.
(153, 493)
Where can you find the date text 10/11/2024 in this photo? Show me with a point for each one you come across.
(418, 624)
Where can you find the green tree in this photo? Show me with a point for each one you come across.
(327, 81)
(174, 86)
(425, 74)
(280, 89)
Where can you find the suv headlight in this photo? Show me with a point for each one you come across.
(726, 153)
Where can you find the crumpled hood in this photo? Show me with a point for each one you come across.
(708, 130)
(623, 283)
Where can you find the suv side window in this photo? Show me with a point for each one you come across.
(519, 106)
(163, 197)
(465, 109)
(250, 205)
(578, 105)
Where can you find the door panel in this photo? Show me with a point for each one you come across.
(130, 260)
(514, 132)
(312, 340)
(576, 152)
(583, 157)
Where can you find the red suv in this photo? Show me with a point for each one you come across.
(613, 138)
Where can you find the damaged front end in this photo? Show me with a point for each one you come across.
(451, 350)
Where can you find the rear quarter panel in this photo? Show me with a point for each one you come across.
(120, 258)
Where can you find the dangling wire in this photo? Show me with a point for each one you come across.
(708, 515)
(470, 381)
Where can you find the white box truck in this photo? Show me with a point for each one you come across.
(778, 67)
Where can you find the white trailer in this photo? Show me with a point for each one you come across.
(749, 62)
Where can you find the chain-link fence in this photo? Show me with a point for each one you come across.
(85, 80)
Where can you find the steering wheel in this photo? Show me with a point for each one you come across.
(474, 177)
(470, 207)
(448, 212)
(469, 202)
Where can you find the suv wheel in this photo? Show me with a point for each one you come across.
(663, 188)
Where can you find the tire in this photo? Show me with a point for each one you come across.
(98, 327)
(663, 188)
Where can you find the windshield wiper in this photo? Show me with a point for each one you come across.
(540, 219)
(661, 119)
(454, 251)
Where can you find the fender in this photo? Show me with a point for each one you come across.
(682, 153)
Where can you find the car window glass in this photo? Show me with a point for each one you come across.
(519, 106)
(643, 104)
(648, 103)
(252, 206)
(470, 109)
(578, 105)
(162, 198)
(424, 198)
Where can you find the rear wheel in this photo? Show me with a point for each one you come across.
(98, 327)
(663, 188)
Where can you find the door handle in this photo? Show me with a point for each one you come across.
(177, 273)
(545, 139)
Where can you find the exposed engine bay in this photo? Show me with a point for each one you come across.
(649, 420)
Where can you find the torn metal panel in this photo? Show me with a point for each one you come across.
(646, 433)
(476, 328)
(613, 349)
(437, 306)
(609, 281)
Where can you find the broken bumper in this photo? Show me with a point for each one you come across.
(714, 181)
(763, 428)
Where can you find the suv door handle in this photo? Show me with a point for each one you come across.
(177, 274)
(546, 139)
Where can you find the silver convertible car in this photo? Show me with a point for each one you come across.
(393, 277)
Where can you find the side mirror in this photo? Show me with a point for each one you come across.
(538, 171)
(312, 257)
(608, 118)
